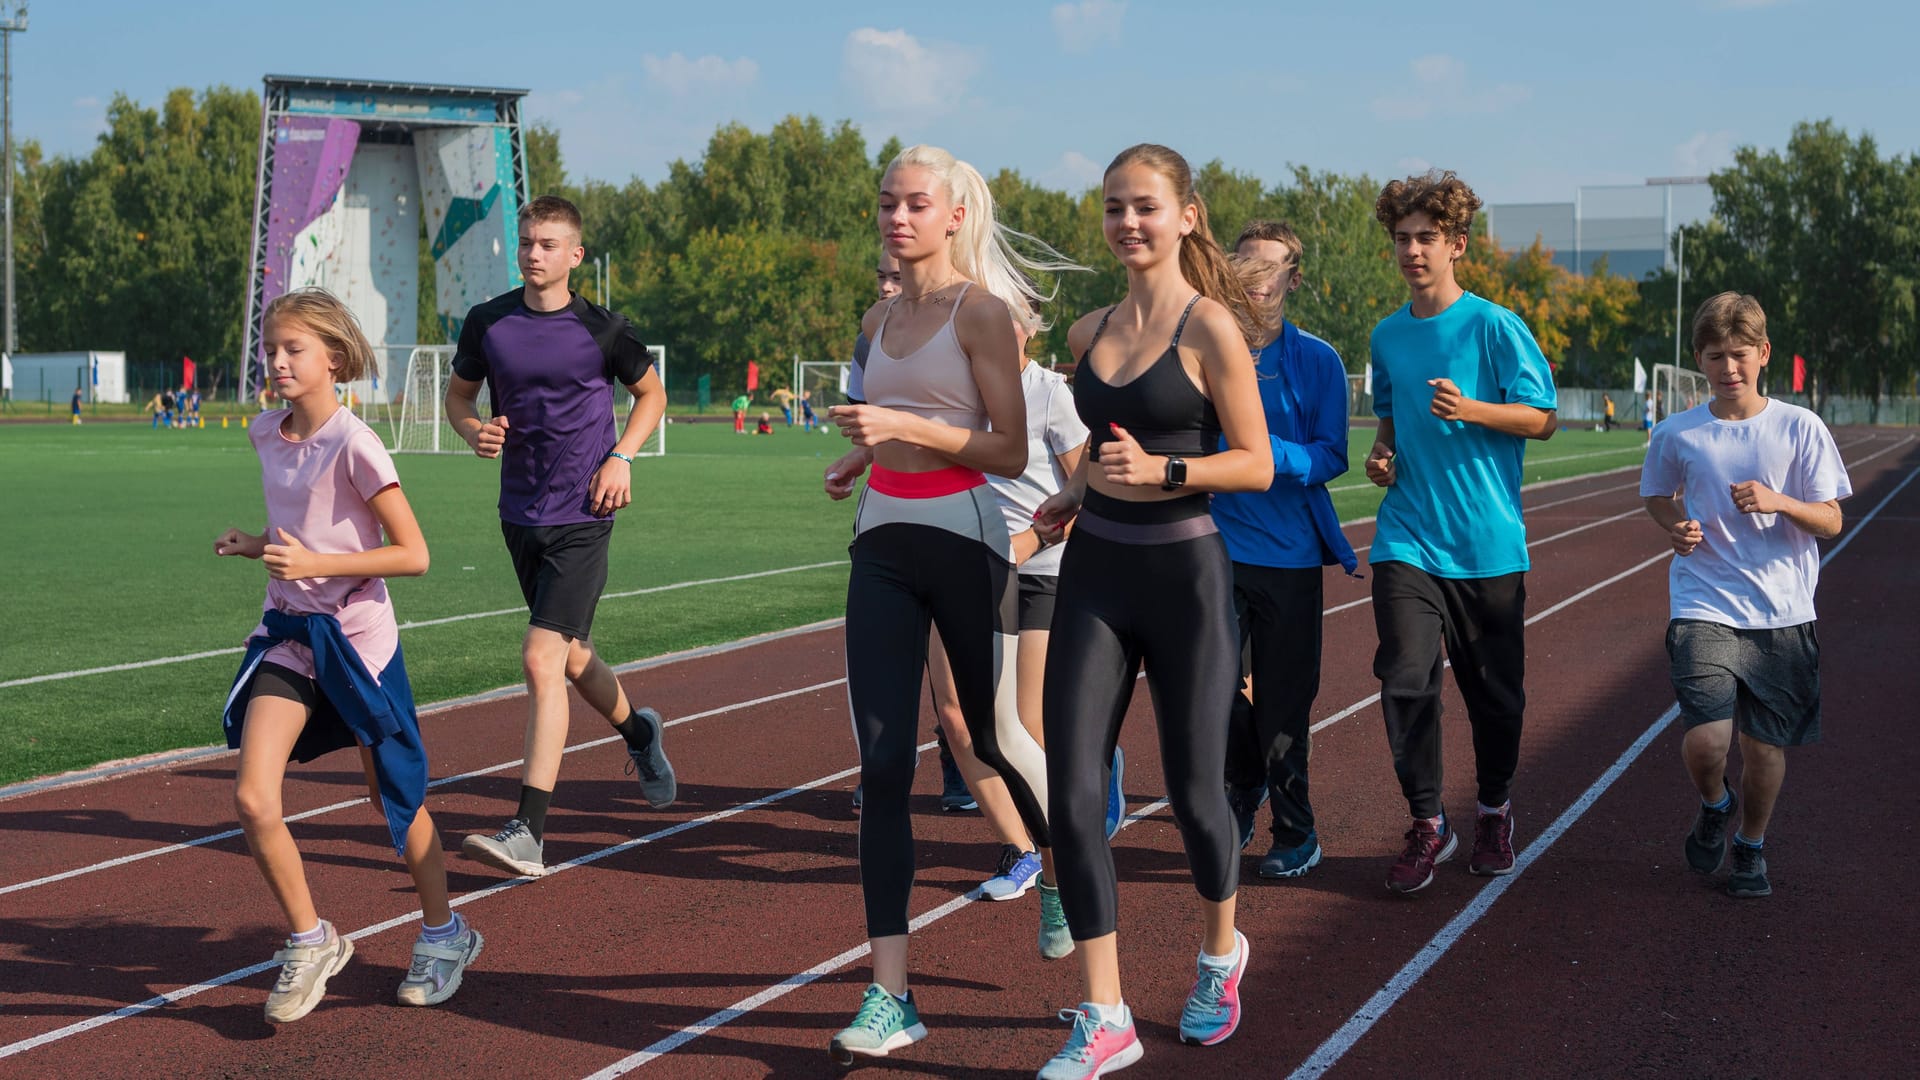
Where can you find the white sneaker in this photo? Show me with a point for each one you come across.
(437, 967)
(304, 971)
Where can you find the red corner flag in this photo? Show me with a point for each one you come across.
(186, 372)
(753, 375)
(1799, 374)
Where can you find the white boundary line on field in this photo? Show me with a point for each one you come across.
(1377, 1006)
(173, 996)
(163, 661)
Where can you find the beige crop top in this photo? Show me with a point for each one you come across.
(934, 381)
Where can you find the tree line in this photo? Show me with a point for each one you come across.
(764, 248)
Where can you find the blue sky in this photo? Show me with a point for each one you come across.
(1525, 100)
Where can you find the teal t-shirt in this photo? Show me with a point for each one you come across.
(1454, 507)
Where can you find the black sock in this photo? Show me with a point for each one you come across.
(533, 810)
(637, 732)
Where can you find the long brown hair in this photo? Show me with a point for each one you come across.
(1202, 261)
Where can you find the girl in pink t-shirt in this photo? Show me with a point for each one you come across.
(331, 494)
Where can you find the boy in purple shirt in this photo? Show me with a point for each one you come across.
(549, 359)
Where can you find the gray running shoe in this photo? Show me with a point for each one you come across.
(1707, 841)
(1749, 878)
(657, 782)
(512, 849)
(304, 971)
(437, 968)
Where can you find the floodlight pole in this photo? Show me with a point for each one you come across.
(1679, 282)
(14, 23)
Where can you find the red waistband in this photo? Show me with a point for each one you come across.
(925, 485)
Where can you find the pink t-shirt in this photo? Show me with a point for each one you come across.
(317, 490)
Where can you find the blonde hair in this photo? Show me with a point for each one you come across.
(1278, 232)
(1731, 317)
(982, 249)
(1202, 262)
(334, 324)
(1253, 273)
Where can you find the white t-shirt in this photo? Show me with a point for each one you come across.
(1751, 571)
(1053, 427)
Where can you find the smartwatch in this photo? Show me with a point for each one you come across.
(1176, 474)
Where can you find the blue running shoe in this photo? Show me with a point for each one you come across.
(1213, 1008)
(1017, 873)
(1286, 862)
(1117, 793)
(1056, 940)
(1093, 1048)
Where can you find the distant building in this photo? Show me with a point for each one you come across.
(1630, 225)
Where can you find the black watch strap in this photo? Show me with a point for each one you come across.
(1176, 474)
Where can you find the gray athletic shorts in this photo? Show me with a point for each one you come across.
(1767, 681)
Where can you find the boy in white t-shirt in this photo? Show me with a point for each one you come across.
(1743, 485)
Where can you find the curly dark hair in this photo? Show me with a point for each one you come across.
(1438, 194)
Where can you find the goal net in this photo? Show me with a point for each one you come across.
(1677, 389)
(825, 383)
(420, 421)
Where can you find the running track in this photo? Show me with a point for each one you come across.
(722, 937)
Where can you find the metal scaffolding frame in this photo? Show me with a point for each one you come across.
(277, 102)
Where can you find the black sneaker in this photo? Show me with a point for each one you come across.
(1246, 804)
(954, 796)
(1749, 878)
(1707, 842)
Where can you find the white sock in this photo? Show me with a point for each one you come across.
(1112, 1015)
(1226, 961)
(1501, 809)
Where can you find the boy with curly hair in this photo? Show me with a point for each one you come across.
(1459, 386)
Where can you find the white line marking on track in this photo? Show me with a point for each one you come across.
(786, 986)
(1363, 1018)
(186, 657)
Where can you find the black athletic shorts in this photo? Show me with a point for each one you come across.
(562, 571)
(1766, 681)
(274, 680)
(1037, 592)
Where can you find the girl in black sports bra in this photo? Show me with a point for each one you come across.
(1162, 376)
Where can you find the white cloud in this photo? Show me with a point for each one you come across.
(1413, 166)
(680, 76)
(1441, 88)
(1703, 153)
(896, 73)
(1073, 173)
(1089, 24)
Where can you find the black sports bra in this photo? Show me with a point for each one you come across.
(1161, 408)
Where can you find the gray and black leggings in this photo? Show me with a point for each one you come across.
(1140, 582)
(939, 559)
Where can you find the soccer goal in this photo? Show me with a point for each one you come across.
(1677, 389)
(825, 383)
(421, 426)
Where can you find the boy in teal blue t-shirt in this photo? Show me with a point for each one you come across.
(1459, 386)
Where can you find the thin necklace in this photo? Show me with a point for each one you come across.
(922, 296)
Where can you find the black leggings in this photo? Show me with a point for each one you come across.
(1483, 622)
(1140, 582)
(1271, 738)
(910, 568)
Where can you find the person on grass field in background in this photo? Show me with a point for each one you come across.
(1459, 386)
(323, 669)
(78, 397)
(549, 359)
(740, 405)
(954, 795)
(1278, 540)
(1743, 486)
(941, 405)
(1162, 376)
(783, 397)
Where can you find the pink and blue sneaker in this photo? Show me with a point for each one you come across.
(1213, 1008)
(1094, 1047)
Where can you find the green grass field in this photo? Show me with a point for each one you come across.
(108, 539)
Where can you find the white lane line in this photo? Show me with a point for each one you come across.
(491, 769)
(187, 657)
(348, 803)
(1363, 1018)
(172, 996)
(786, 986)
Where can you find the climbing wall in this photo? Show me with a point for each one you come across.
(472, 213)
